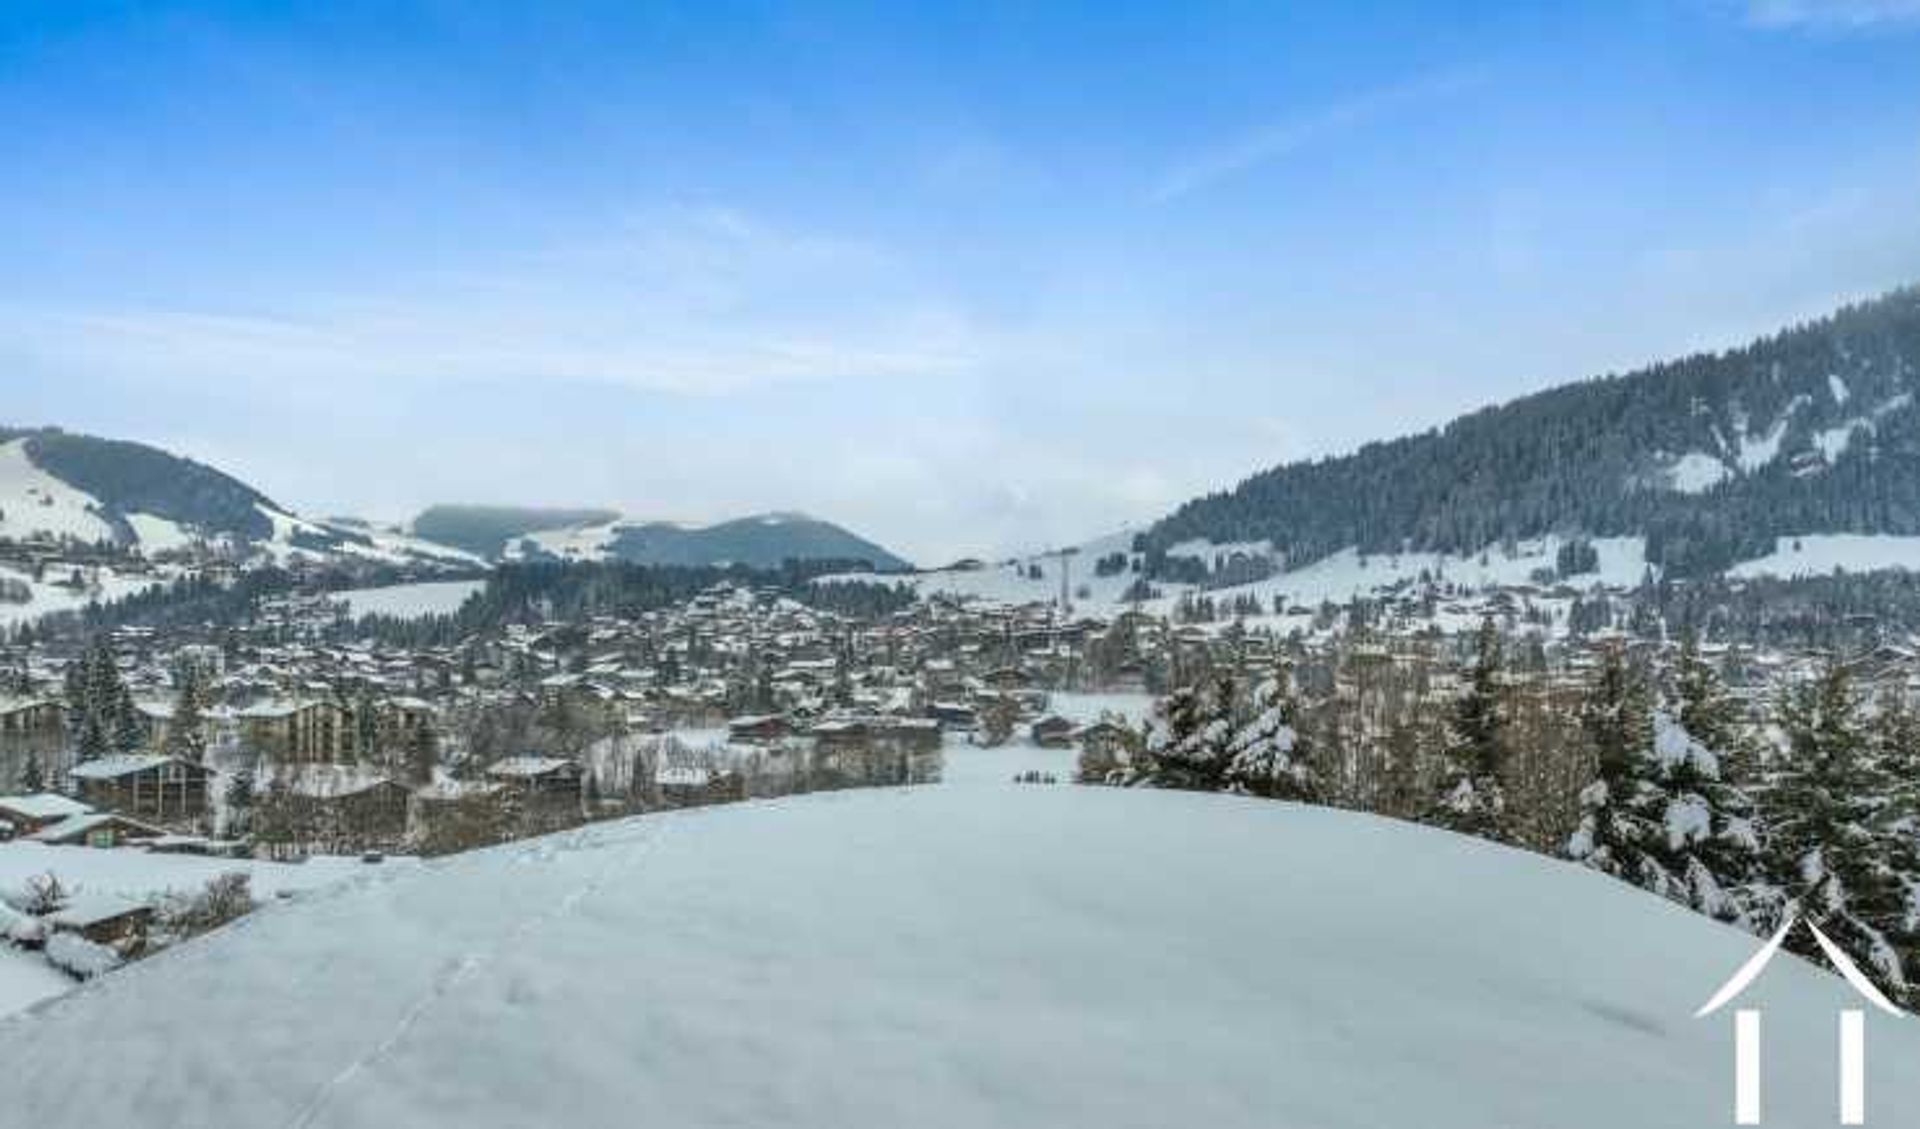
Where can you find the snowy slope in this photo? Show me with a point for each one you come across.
(1820, 554)
(1335, 578)
(988, 956)
(35, 503)
(410, 601)
(49, 595)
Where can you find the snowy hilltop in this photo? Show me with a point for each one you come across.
(951, 956)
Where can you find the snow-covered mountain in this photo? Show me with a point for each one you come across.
(954, 956)
(59, 486)
(760, 540)
(1710, 459)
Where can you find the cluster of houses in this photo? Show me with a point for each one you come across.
(369, 741)
(372, 740)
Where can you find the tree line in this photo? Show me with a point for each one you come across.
(1648, 771)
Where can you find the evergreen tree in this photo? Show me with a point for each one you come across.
(1710, 844)
(129, 731)
(186, 729)
(1267, 755)
(1710, 715)
(239, 797)
(1473, 789)
(1190, 736)
(1826, 855)
(1621, 810)
(32, 777)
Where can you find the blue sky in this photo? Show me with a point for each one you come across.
(964, 277)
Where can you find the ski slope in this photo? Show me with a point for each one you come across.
(940, 957)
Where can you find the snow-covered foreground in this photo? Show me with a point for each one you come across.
(26, 979)
(993, 957)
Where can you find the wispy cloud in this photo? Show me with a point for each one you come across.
(697, 301)
(1849, 15)
(1287, 136)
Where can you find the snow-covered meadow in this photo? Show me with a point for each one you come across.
(952, 956)
(410, 601)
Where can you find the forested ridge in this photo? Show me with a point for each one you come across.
(1710, 457)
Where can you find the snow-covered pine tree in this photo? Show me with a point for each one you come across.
(1825, 853)
(93, 692)
(75, 685)
(1621, 810)
(1472, 796)
(186, 729)
(129, 732)
(1660, 814)
(1268, 755)
(1711, 716)
(1894, 740)
(1190, 736)
(1710, 844)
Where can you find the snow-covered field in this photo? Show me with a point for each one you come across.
(1010, 956)
(410, 601)
(1820, 554)
(966, 765)
(48, 597)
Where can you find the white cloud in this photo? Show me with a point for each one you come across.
(695, 301)
(1281, 139)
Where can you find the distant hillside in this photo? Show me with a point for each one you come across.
(1710, 458)
(60, 486)
(486, 530)
(761, 541)
(119, 479)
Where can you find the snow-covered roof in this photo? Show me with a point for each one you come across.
(526, 766)
(118, 765)
(44, 805)
(88, 908)
(76, 826)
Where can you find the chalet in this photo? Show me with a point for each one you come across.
(954, 715)
(1052, 732)
(361, 810)
(26, 815)
(147, 786)
(97, 829)
(537, 777)
(405, 718)
(1104, 737)
(899, 734)
(1007, 678)
(32, 723)
(684, 784)
(758, 729)
(104, 919)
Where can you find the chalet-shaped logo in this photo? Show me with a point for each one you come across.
(1853, 1028)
